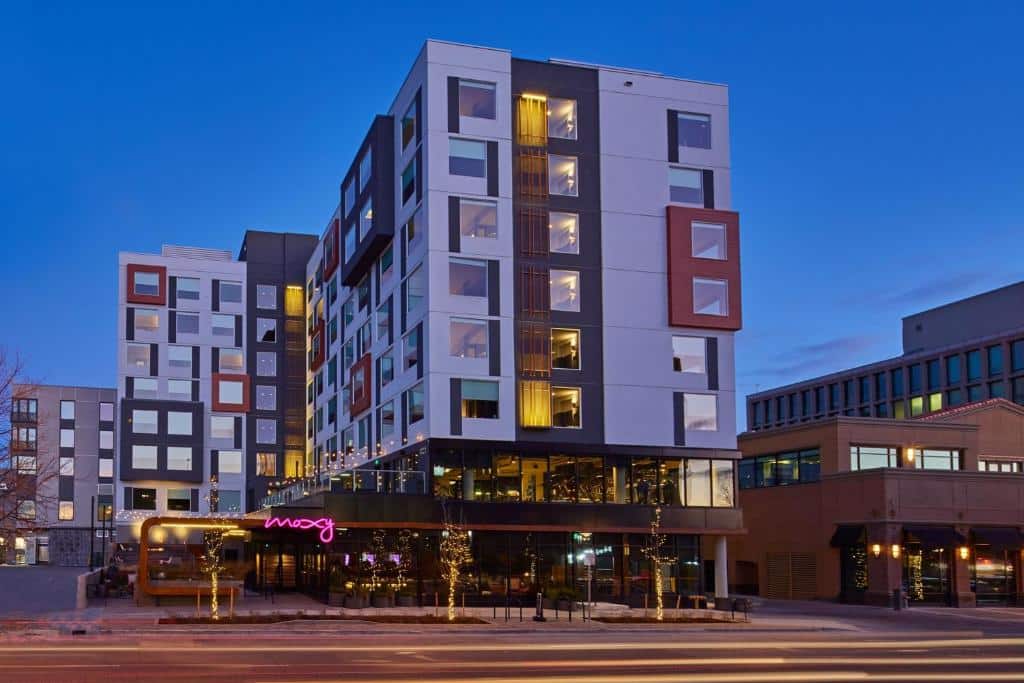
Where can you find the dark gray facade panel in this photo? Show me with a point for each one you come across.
(129, 387)
(238, 331)
(494, 347)
(126, 472)
(129, 324)
(453, 104)
(391, 319)
(172, 327)
(711, 353)
(195, 390)
(193, 505)
(154, 360)
(238, 431)
(402, 252)
(673, 136)
(456, 406)
(195, 362)
(214, 359)
(66, 487)
(215, 295)
(709, 188)
(494, 287)
(492, 168)
(454, 227)
(420, 345)
(172, 291)
(402, 314)
(214, 461)
(678, 418)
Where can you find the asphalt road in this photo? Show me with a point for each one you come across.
(609, 656)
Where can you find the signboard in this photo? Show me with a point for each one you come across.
(324, 524)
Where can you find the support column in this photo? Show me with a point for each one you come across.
(721, 569)
(468, 484)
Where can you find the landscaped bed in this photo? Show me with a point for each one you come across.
(666, 620)
(277, 618)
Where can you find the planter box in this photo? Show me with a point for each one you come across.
(383, 601)
(406, 601)
(354, 602)
(336, 599)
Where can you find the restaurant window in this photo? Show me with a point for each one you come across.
(722, 484)
(562, 476)
(590, 479)
(144, 499)
(698, 482)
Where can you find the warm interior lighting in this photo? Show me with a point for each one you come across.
(964, 552)
(534, 403)
(531, 96)
(200, 525)
(876, 549)
(910, 455)
(294, 301)
(895, 551)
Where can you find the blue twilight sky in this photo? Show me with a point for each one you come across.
(877, 149)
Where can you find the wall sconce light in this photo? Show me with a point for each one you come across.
(910, 456)
(964, 552)
(895, 549)
(876, 549)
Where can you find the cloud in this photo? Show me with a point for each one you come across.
(937, 288)
(829, 354)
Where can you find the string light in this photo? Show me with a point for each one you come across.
(656, 552)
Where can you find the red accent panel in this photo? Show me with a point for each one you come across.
(331, 257)
(217, 405)
(364, 399)
(318, 342)
(683, 267)
(158, 299)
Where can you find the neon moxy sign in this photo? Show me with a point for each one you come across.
(324, 524)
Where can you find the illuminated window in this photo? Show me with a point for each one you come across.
(565, 349)
(563, 175)
(266, 464)
(565, 288)
(479, 399)
(935, 402)
(66, 511)
(467, 338)
(566, 407)
(478, 218)
(294, 306)
(366, 219)
(916, 406)
(563, 232)
(562, 120)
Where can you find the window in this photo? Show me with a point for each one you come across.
(694, 130)
(387, 419)
(363, 292)
(179, 500)
(414, 231)
(229, 462)
(995, 360)
(1017, 355)
(873, 457)
(565, 349)
(143, 499)
(266, 363)
(387, 368)
(266, 297)
(67, 466)
(409, 181)
(188, 323)
(222, 325)
(348, 354)
(266, 330)
(710, 297)
(67, 410)
(936, 459)
(563, 232)
(106, 467)
(467, 338)
(708, 240)
(974, 393)
(230, 292)
(143, 457)
(366, 218)
(229, 392)
(478, 218)
(350, 197)
(179, 423)
(179, 458)
(685, 186)
(137, 356)
(27, 509)
(266, 397)
(561, 118)
(266, 464)
(144, 422)
(479, 399)
(409, 125)
(66, 511)
(688, 355)
(106, 439)
(387, 264)
(146, 283)
(179, 389)
(230, 360)
(144, 387)
(106, 412)
(364, 340)
(477, 99)
(146, 320)
(935, 401)
(698, 482)
(266, 431)
(953, 369)
(897, 383)
(365, 169)
(383, 319)
(916, 405)
(566, 407)
(416, 404)
(350, 243)
(25, 464)
(222, 427)
(415, 290)
(467, 277)
(187, 289)
(467, 158)
(954, 397)
(973, 365)
(229, 500)
(565, 287)
(180, 358)
(700, 412)
(562, 175)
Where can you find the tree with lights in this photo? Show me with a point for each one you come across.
(213, 544)
(656, 552)
(455, 554)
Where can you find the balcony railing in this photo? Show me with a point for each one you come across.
(19, 416)
(388, 482)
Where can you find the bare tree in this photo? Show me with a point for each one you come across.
(456, 554)
(656, 551)
(28, 467)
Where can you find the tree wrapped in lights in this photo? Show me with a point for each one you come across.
(455, 554)
(213, 544)
(657, 553)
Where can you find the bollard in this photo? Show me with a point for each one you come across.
(897, 599)
(539, 616)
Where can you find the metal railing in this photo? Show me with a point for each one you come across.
(387, 482)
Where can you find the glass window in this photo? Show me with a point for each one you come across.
(230, 360)
(787, 469)
(188, 323)
(409, 125)
(996, 390)
(145, 499)
(414, 229)
(266, 431)
(179, 423)
(66, 511)
(144, 387)
(137, 356)
(387, 262)
(897, 383)
(106, 439)
(974, 365)
(266, 464)
(230, 392)
(954, 397)
(143, 457)
(67, 466)
(229, 500)
(416, 406)
(350, 197)
(694, 130)
(383, 319)
(562, 479)
(566, 408)
(810, 465)
(937, 459)
(67, 410)
(477, 99)
(565, 349)
(144, 421)
(1017, 355)
(230, 292)
(698, 482)
(722, 486)
(222, 325)
(935, 401)
(106, 412)
(467, 277)
(179, 389)
(563, 232)
(916, 405)
(563, 175)
(700, 412)
(409, 181)
(266, 297)
(179, 458)
(180, 358)
(478, 218)
(953, 369)
(266, 363)
(565, 289)
(479, 399)
(366, 219)
(387, 419)
(710, 297)
(187, 289)
(266, 330)
(222, 427)
(415, 290)
(873, 457)
(146, 320)
(688, 355)
(467, 338)
(387, 368)
(467, 158)
(365, 169)
(995, 360)
(974, 393)
(747, 470)
(179, 500)
(934, 375)
(229, 462)
(350, 243)
(266, 397)
(146, 283)
(562, 118)
(708, 241)
(685, 186)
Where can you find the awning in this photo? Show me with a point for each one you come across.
(934, 536)
(997, 536)
(847, 535)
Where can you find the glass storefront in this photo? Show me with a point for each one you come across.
(926, 573)
(994, 570)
